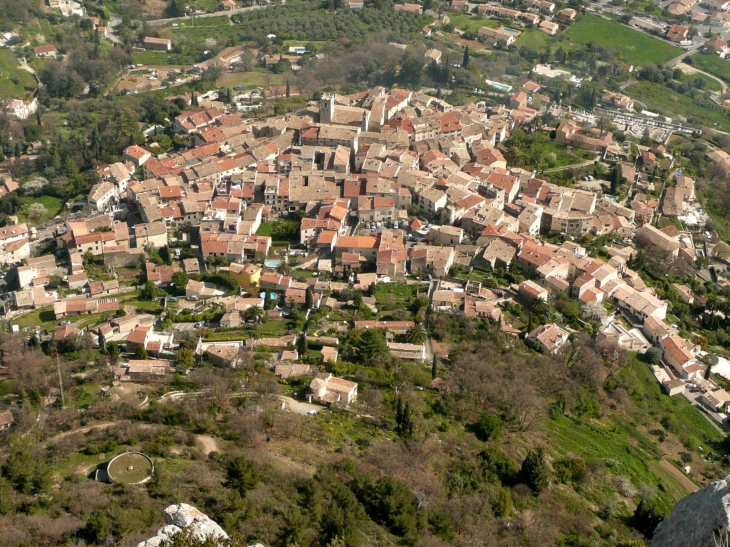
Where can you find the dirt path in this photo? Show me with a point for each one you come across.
(681, 477)
(81, 430)
(207, 444)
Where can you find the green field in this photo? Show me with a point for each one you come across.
(162, 58)
(471, 23)
(10, 73)
(52, 204)
(535, 39)
(42, 317)
(670, 103)
(713, 64)
(396, 295)
(637, 48)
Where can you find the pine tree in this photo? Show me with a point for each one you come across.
(465, 63)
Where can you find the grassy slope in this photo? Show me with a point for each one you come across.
(9, 68)
(637, 48)
(622, 443)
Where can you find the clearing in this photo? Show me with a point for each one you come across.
(637, 48)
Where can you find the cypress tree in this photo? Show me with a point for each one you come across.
(434, 367)
(465, 63)
(302, 345)
(309, 298)
(534, 471)
(288, 89)
(398, 410)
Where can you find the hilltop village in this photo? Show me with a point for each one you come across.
(375, 187)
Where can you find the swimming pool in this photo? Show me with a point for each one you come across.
(498, 85)
(272, 263)
(209, 285)
(272, 295)
(511, 31)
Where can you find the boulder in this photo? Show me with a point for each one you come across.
(696, 517)
(182, 516)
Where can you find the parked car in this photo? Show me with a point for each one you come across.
(172, 298)
(193, 297)
(199, 324)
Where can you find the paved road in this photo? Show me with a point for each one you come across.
(184, 326)
(712, 417)
(113, 22)
(158, 22)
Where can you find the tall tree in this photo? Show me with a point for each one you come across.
(616, 179)
(302, 345)
(465, 63)
(309, 298)
(534, 471)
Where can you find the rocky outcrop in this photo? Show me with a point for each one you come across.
(696, 517)
(182, 516)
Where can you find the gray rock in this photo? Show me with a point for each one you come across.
(695, 517)
(182, 516)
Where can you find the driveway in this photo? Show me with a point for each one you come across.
(297, 406)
